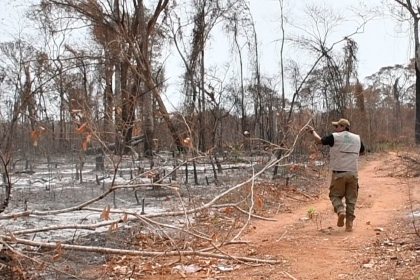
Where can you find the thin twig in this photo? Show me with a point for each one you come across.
(281, 237)
(288, 275)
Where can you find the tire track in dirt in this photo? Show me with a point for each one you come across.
(317, 248)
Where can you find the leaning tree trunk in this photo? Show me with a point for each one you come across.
(202, 107)
(417, 126)
(148, 122)
(122, 112)
(162, 110)
(108, 102)
(29, 97)
(417, 65)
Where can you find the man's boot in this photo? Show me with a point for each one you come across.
(341, 217)
(349, 225)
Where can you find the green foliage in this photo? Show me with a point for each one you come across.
(311, 212)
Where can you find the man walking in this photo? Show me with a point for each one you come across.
(344, 154)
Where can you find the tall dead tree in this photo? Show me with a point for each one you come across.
(412, 8)
(17, 59)
(205, 16)
(132, 27)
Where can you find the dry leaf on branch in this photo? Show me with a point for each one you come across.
(82, 128)
(113, 227)
(86, 142)
(259, 202)
(36, 135)
(147, 267)
(12, 237)
(105, 215)
(42, 266)
(58, 248)
(214, 238)
(58, 251)
(313, 156)
(186, 141)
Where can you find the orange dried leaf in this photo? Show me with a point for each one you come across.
(293, 167)
(136, 132)
(35, 137)
(41, 267)
(58, 248)
(84, 145)
(214, 238)
(12, 237)
(147, 267)
(259, 202)
(86, 142)
(105, 213)
(228, 210)
(82, 128)
(187, 141)
(113, 227)
(56, 257)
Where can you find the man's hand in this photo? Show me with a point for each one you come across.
(315, 135)
(309, 128)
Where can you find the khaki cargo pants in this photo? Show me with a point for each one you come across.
(344, 185)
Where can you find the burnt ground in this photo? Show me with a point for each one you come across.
(304, 238)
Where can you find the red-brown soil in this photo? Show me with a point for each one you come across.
(383, 244)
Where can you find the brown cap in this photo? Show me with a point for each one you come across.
(342, 122)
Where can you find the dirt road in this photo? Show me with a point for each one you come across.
(317, 248)
(383, 245)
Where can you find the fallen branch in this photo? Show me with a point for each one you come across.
(297, 199)
(38, 262)
(104, 250)
(281, 237)
(73, 226)
(304, 194)
(288, 275)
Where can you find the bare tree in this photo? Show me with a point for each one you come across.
(130, 27)
(412, 12)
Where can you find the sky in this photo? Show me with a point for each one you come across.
(381, 43)
(384, 42)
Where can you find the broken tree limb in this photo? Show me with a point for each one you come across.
(104, 250)
(288, 275)
(304, 194)
(38, 262)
